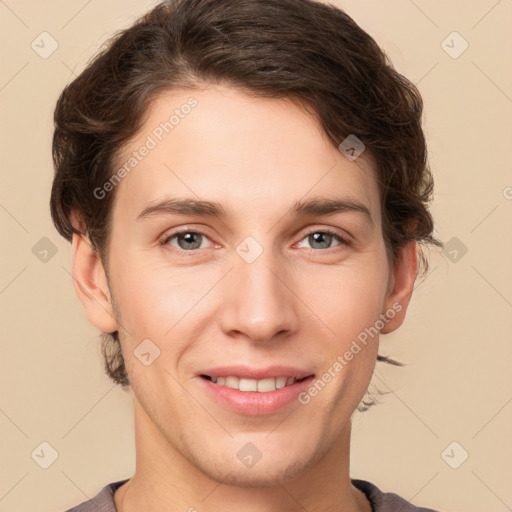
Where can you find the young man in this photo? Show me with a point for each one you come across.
(245, 185)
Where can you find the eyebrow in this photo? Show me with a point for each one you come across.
(311, 207)
(324, 206)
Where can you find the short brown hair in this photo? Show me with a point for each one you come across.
(308, 51)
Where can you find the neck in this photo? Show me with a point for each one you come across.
(166, 479)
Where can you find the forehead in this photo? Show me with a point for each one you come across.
(243, 151)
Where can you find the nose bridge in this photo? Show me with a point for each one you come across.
(258, 303)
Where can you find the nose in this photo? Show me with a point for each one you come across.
(258, 301)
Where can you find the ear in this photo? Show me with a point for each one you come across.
(91, 285)
(401, 286)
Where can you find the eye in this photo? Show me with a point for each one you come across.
(322, 239)
(186, 240)
(189, 241)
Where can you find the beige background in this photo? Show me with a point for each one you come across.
(456, 340)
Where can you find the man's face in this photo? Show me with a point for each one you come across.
(259, 288)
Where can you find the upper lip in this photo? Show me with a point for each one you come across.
(248, 372)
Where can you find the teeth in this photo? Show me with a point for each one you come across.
(265, 385)
(232, 382)
(281, 382)
(248, 384)
(262, 386)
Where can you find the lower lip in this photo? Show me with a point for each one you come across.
(254, 403)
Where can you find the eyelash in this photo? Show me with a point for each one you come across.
(343, 243)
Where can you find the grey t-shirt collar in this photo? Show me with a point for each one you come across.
(380, 501)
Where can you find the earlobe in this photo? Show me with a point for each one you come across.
(401, 287)
(91, 285)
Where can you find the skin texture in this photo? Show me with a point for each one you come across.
(300, 303)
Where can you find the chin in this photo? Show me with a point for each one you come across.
(267, 474)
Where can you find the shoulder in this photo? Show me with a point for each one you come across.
(102, 502)
(386, 501)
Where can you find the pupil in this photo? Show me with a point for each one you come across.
(189, 241)
(317, 236)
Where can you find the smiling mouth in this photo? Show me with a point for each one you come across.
(258, 385)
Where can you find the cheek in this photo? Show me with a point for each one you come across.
(346, 299)
(163, 304)
(351, 307)
(152, 297)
